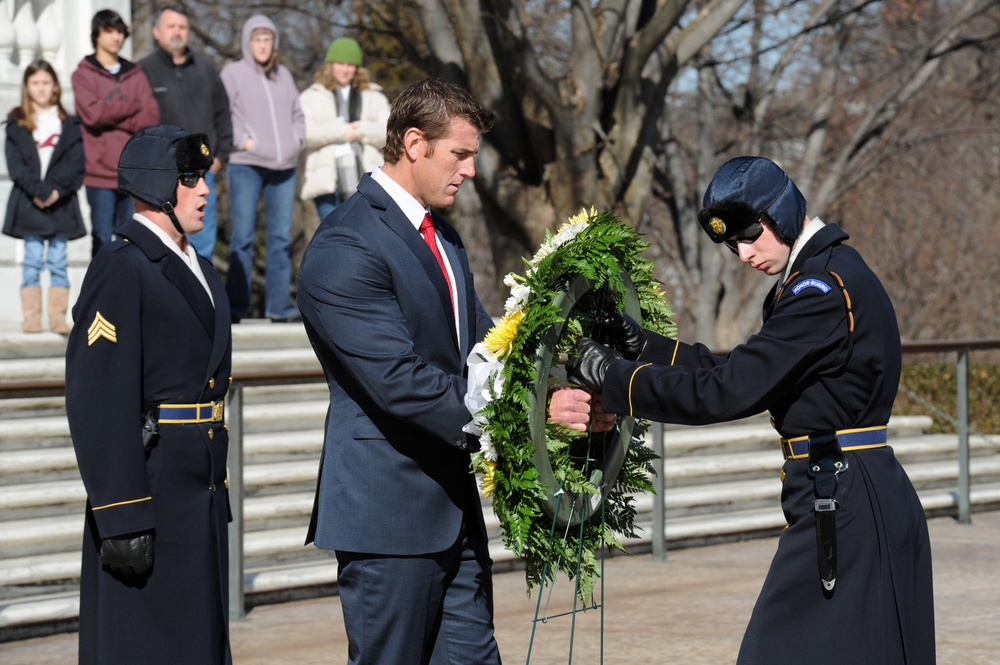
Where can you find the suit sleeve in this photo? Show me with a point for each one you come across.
(802, 337)
(347, 294)
(104, 396)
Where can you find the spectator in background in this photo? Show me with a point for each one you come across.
(345, 130)
(45, 161)
(191, 96)
(113, 101)
(268, 133)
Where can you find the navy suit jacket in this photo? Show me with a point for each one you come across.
(395, 471)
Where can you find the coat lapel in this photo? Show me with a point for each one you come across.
(222, 329)
(394, 218)
(174, 270)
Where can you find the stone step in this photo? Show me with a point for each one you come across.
(256, 348)
(49, 535)
(288, 429)
(59, 608)
(254, 334)
(293, 414)
(303, 449)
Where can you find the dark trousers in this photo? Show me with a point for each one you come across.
(435, 609)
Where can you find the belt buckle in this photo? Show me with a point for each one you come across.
(216, 411)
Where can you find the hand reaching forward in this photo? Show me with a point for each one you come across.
(580, 411)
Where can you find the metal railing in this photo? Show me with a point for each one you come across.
(962, 348)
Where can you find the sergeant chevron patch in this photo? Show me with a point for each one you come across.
(811, 283)
(101, 327)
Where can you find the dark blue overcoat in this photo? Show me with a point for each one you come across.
(146, 333)
(814, 376)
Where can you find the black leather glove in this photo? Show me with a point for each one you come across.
(128, 555)
(590, 366)
(620, 331)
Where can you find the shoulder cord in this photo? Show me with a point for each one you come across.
(850, 318)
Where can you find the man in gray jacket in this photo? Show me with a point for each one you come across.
(190, 94)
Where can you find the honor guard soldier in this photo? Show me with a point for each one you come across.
(851, 579)
(147, 370)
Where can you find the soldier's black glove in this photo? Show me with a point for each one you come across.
(128, 555)
(588, 369)
(620, 331)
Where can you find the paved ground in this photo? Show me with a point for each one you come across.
(691, 609)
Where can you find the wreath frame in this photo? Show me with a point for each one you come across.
(594, 256)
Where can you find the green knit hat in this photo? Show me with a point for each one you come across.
(345, 50)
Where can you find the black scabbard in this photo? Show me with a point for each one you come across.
(826, 462)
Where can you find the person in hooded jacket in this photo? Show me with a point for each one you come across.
(147, 371)
(268, 135)
(113, 101)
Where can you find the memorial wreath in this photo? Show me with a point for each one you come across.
(560, 495)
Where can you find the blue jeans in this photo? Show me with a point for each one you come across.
(246, 184)
(36, 259)
(109, 209)
(204, 241)
(326, 203)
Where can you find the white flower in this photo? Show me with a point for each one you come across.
(486, 447)
(567, 232)
(519, 293)
(485, 380)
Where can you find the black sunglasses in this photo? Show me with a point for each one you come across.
(190, 178)
(747, 235)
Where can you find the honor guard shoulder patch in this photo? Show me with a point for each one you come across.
(811, 283)
(101, 327)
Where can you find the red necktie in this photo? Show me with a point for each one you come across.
(427, 230)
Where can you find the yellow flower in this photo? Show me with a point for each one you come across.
(583, 216)
(501, 336)
(487, 484)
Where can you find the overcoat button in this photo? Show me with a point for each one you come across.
(211, 383)
(211, 434)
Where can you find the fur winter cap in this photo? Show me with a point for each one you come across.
(153, 158)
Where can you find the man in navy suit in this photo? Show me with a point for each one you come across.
(388, 301)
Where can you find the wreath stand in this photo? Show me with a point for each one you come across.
(604, 457)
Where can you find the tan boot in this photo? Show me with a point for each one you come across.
(31, 306)
(58, 302)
